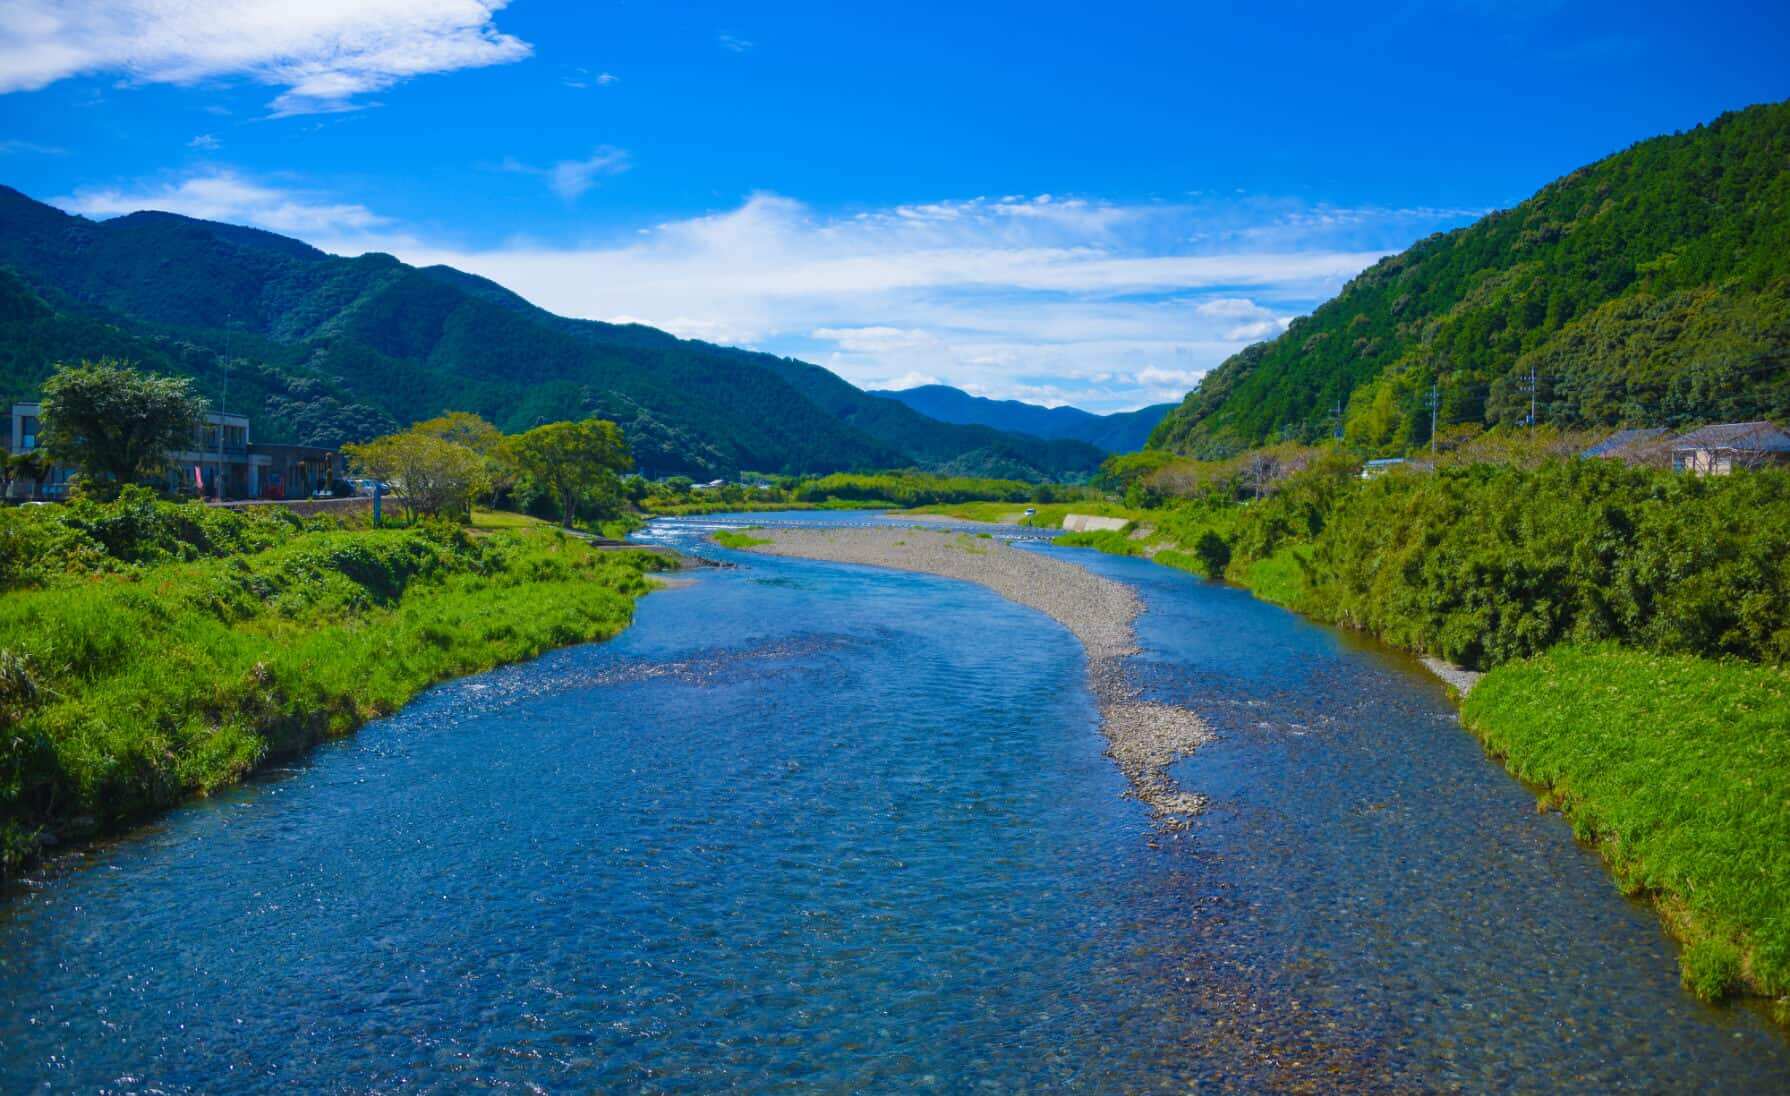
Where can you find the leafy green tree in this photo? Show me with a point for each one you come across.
(428, 475)
(465, 428)
(115, 424)
(573, 460)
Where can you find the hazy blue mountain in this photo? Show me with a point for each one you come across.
(1117, 433)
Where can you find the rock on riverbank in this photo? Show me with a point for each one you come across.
(1143, 737)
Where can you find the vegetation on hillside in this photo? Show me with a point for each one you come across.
(1652, 287)
(326, 350)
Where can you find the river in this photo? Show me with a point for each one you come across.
(821, 827)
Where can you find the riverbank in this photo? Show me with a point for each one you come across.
(1488, 567)
(131, 678)
(1144, 738)
(1678, 770)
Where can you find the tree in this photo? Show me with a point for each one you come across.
(427, 474)
(572, 459)
(463, 428)
(115, 424)
(1261, 468)
(473, 432)
(33, 465)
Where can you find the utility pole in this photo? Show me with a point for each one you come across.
(1336, 417)
(1435, 403)
(1529, 383)
(223, 405)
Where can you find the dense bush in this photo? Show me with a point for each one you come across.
(1483, 563)
(42, 544)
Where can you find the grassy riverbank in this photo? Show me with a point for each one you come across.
(1678, 768)
(153, 651)
(1636, 626)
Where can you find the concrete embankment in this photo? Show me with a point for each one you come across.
(1144, 737)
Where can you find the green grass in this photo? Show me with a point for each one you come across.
(483, 519)
(1678, 768)
(731, 538)
(1110, 541)
(1279, 578)
(125, 693)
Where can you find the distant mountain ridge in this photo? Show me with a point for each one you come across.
(1649, 288)
(1120, 432)
(328, 349)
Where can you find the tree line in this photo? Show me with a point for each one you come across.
(116, 426)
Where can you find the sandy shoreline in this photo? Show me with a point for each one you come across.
(1143, 737)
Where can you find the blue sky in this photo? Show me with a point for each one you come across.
(1090, 204)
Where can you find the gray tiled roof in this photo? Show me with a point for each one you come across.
(1622, 440)
(1758, 437)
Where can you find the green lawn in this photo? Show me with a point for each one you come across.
(484, 520)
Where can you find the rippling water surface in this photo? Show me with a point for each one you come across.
(821, 827)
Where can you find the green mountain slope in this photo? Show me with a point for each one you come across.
(327, 349)
(1120, 432)
(1650, 287)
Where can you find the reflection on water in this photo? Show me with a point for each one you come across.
(827, 827)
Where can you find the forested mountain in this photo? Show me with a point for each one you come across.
(1116, 433)
(1652, 287)
(326, 349)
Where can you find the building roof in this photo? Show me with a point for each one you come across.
(1624, 440)
(1752, 437)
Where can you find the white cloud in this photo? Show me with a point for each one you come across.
(906, 381)
(585, 78)
(323, 53)
(733, 43)
(571, 178)
(1101, 305)
(227, 196)
(1054, 300)
(11, 147)
(205, 142)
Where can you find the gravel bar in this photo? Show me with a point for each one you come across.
(1143, 737)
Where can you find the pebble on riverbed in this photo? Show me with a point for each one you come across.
(1143, 737)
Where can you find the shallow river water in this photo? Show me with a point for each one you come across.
(816, 827)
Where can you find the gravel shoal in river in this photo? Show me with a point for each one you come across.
(1143, 737)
